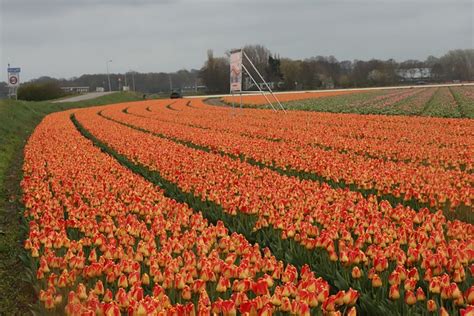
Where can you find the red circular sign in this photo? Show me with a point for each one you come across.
(13, 80)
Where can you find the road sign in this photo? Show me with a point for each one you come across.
(13, 80)
(13, 76)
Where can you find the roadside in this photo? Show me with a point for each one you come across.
(83, 97)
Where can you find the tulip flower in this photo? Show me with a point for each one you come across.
(468, 311)
(470, 295)
(352, 312)
(431, 306)
(376, 281)
(394, 293)
(350, 297)
(410, 298)
(420, 294)
(356, 273)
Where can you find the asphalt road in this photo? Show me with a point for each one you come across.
(82, 97)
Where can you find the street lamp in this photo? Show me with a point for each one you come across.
(133, 80)
(108, 74)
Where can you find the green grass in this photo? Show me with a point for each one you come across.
(18, 119)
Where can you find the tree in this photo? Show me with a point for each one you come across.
(40, 91)
(290, 70)
(3, 89)
(273, 69)
(259, 55)
(458, 64)
(215, 73)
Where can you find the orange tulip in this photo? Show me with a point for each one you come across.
(350, 297)
(410, 298)
(443, 312)
(468, 311)
(356, 273)
(470, 295)
(394, 293)
(376, 281)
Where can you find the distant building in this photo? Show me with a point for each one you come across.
(414, 74)
(75, 89)
(99, 89)
(249, 85)
(193, 89)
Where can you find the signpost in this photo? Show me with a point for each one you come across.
(13, 81)
(236, 68)
(236, 71)
(236, 74)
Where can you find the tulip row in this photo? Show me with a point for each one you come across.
(423, 101)
(385, 103)
(427, 141)
(417, 104)
(333, 104)
(443, 104)
(283, 97)
(465, 98)
(353, 241)
(434, 186)
(105, 241)
(360, 102)
(260, 100)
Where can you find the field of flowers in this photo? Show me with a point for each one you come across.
(284, 97)
(451, 102)
(181, 208)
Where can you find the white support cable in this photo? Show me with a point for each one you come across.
(261, 77)
(261, 91)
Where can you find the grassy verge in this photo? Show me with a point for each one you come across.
(17, 121)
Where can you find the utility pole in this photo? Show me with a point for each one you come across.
(133, 80)
(108, 74)
(171, 83)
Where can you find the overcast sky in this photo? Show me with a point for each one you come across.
(65, 38)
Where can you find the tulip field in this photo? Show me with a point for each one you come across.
(177, 207)
(452, 102)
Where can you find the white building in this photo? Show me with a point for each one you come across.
(413, 74)
(76, 89)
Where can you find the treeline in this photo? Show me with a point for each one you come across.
(144, 82)
(323, 72)
(40, 91)
(319, 72)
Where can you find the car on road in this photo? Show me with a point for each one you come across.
(175, 95)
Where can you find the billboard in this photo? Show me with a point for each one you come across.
(236, 71)
(13, 77)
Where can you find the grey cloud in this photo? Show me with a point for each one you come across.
(67, 38)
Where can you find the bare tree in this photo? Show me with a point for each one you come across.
(215, 73)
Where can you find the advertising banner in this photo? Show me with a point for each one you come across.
(236, 71)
